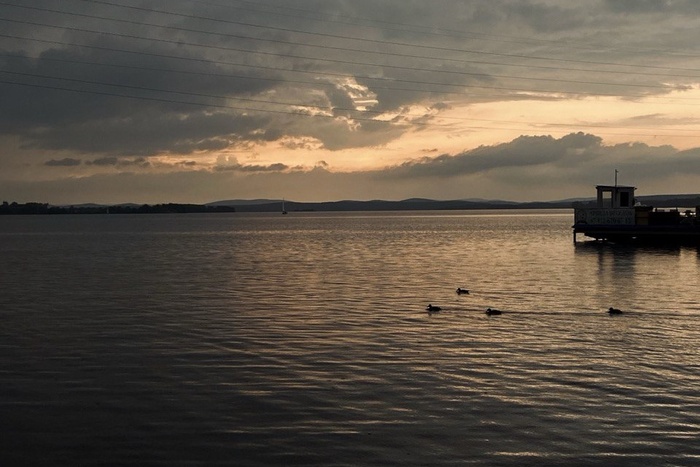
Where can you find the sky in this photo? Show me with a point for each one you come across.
(129, 101)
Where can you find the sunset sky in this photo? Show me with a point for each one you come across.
(320, 100)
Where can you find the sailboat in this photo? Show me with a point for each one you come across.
(284, 211)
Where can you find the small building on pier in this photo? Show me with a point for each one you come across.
(616, 216)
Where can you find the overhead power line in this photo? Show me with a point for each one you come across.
(428, 31)
(296, 113)
(431, 48)
(344, 62)
(457, 89)
(672, 71)
(454, 88)
(324, 47)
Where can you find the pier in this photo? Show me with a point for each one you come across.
(615, 217)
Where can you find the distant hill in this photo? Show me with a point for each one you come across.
(657, 201)
(271, 205)
(670, 201)
(245, 202)
(405, 205)
(420, 204)
(167, 208)
(493, 201)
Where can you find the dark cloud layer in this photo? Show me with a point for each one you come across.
(551, 168)
(65, 162)
(207, 55)
(98, 85)
(520, 153)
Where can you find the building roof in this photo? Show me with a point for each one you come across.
(616, 187)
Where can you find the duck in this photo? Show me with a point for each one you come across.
(432, 308)
(491, 311)
(614, 311)
(461, 291)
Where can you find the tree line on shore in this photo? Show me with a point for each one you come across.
(167, 208)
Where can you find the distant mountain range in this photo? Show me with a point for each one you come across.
(420, 204)
(274, 205)
(413, 204)
(245, 202)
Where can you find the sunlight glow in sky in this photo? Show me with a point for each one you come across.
(198, 101)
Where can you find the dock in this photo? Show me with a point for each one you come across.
(616, 217)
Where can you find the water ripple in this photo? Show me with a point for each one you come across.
(257, 340)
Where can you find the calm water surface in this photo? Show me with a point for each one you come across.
(260, 339)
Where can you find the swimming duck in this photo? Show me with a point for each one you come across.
(461, 291)
(432, 308)
(491, 311)
(614, 311)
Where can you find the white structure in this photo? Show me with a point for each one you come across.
(616, 217)
(614, 206)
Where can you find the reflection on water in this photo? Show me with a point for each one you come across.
(303, 339)
(647, 277)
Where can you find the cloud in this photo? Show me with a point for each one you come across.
(548, 168)
(65, 162)
(119, 162)
(524, 169)
(651, 6)
(520, 153)
(230, 163)
(106, 90)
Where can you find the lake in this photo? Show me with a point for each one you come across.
(261, 339)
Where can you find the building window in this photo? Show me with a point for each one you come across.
(624, 199)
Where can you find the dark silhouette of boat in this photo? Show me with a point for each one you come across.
(615, 217)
